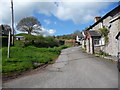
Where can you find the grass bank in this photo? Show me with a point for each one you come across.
(26, 58)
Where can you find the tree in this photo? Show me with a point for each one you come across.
(77, 32)
(30, 25)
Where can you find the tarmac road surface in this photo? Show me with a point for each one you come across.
(73, 69)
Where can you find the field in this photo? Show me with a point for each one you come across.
(26, 58)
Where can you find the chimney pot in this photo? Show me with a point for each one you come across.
(97, 18)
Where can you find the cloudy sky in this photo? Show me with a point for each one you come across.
(57, 18)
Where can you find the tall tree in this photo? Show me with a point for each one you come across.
(30, 25)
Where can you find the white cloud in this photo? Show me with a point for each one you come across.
(47, 21)
(46, 32)
(78, 12)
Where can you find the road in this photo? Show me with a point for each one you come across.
(73, 69)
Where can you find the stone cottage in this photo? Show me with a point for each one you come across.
(95, 41)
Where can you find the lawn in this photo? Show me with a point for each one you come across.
(26, 58)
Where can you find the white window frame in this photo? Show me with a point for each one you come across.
(96, 40)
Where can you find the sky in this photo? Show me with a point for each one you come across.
(56, 18)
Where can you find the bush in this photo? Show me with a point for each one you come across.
(40, 41)
(19, 43)
(103, 53)
(104, 32)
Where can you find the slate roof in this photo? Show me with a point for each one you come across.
(94, 34)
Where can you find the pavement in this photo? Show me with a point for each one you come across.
(72, 69)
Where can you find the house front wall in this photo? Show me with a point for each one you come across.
(106, 21)
(96, 27)
(112, 46)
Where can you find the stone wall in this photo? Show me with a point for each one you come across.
(112, 46)
(97, 49)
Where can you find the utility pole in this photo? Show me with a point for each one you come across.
(9, 36)
(12, 22)
(11, 30)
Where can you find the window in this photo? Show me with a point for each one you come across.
(96, 41)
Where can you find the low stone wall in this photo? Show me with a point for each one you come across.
(97, 49)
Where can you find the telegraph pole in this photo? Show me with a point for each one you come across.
(12, 22)
(9, 36)
(11, 31)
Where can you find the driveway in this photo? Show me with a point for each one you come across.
(73, 69)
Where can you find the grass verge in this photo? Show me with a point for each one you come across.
(26, 58)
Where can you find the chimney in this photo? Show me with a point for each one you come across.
(97, 18)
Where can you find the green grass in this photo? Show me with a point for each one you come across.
(101, 53)
(25, 58)
(21, 34)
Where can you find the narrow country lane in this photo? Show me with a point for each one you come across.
(73, 69)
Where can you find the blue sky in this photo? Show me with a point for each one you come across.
(68, 26)
(59, 18)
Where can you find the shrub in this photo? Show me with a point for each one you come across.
(40, 41)
(103, 53)
(104, 32)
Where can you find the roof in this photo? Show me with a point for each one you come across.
(94, 34)
(115, 9)
(117, 35)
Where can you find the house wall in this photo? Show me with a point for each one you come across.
(96, 27)
(112, 46)
(106, 21)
